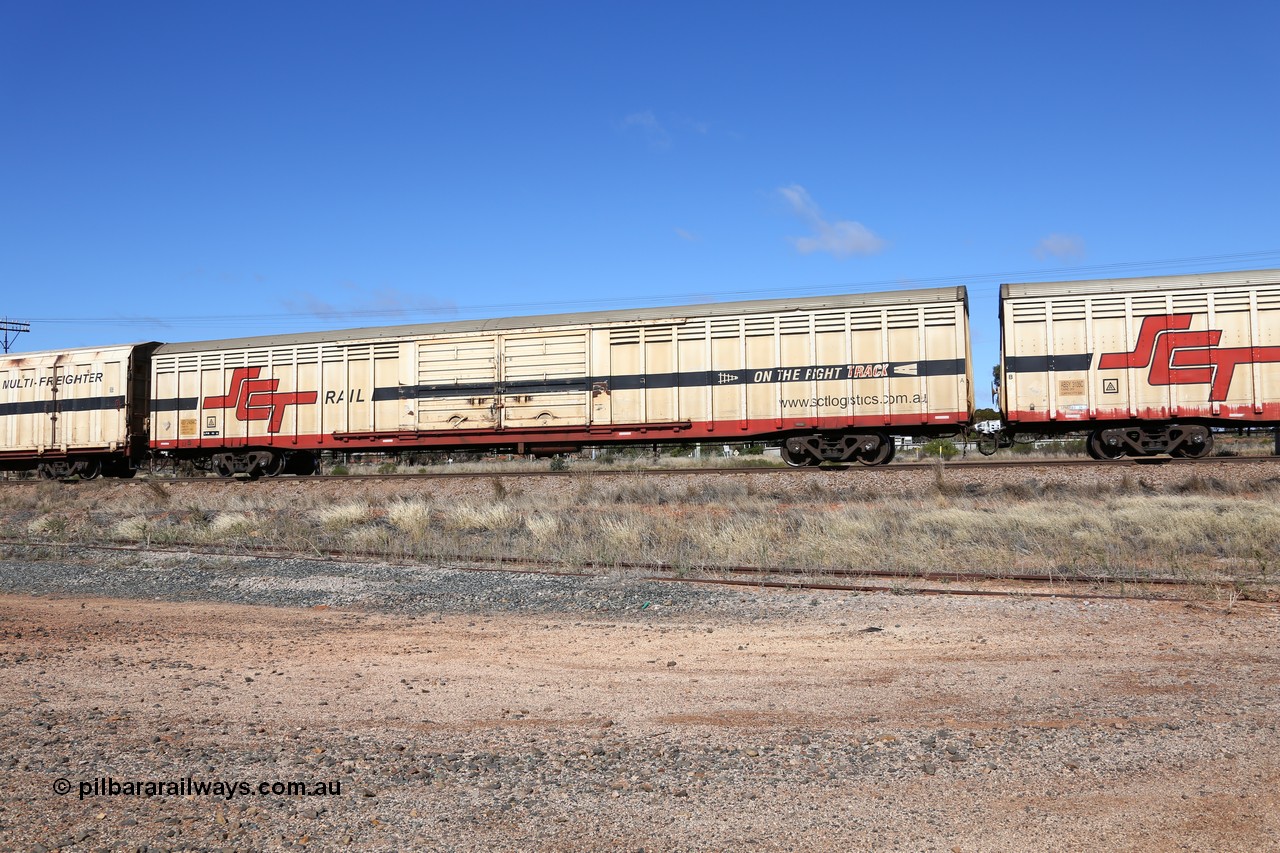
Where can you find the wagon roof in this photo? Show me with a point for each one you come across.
(1129, 285)
(18, 359)
(918, 296)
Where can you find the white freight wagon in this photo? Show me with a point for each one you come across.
(74, 412)
(833, 377)
(1145, 365)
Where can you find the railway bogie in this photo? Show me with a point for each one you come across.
(1183, 441)
(260, 462)
(870, 448)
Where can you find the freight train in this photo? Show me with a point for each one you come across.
(1143, 366)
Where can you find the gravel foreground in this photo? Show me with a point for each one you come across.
(466, 711)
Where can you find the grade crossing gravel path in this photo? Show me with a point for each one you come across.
(492, 711)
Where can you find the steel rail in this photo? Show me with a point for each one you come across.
(765, 574)
(897, 590)
(336, 555)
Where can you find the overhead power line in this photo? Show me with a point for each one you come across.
(11, 329)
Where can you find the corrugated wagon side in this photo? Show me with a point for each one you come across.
(833, 378)
(80, 411)
(1145, 365)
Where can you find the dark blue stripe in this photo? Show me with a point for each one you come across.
(1047, 363)
(687, 379)
(174, 404)
(69, 404)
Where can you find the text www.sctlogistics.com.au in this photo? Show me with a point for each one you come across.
(838, 402)
(227, 789)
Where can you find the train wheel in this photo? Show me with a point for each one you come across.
(46, 472)
(882, 454)
(88, 469)
(1100, 449)
(223, 468)
(276, 466)
(1199, 450)
(798, 458)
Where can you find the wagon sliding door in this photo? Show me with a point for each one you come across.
(458, 383)
(544, 379)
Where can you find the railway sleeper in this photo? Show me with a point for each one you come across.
(874, 448)
(1187, 441)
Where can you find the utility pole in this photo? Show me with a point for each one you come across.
(11, 329)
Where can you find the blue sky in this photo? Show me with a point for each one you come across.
(180, 171)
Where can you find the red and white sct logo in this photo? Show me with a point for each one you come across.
(256, 399)
(1181, 357)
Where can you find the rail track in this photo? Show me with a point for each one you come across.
(966, 465)
(817, 578)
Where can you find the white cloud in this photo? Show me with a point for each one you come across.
(649, 125)
(1067, 247)
(688, 235)
(842, 238)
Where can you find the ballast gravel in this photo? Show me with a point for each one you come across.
(384, 587)
(431, 708)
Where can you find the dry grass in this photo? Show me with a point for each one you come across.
(475, 517)
(543, 528)
(227, 525)
(134, 529)
(410, 516)
(1198, 528)
(343, 517)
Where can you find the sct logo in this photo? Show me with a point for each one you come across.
(1181, 357)
(256, 399)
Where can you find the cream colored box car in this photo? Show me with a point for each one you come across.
(835, 376)
(1149, 365)
(71, 412)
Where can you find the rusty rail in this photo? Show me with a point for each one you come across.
(786, 578)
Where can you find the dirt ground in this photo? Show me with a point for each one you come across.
(858, 722)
